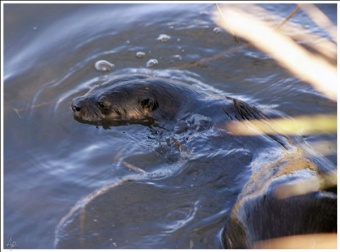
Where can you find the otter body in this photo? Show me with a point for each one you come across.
(148, 100)
(259, 213)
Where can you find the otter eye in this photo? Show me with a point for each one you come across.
(149, 103)
(101, 105)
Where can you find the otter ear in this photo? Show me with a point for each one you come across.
(149, 104)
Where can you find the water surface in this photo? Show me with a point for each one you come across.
(51, 161)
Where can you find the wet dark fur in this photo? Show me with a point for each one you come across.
(133, 99)
(258, 214)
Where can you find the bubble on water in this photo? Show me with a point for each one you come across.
(177, 57)
(204, 13)
(163, 38)
(151, 63)
(103, 66)
(217, 30)
(140, 55)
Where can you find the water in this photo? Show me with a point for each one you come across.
(51, 161)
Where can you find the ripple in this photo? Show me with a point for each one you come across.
(180, 217)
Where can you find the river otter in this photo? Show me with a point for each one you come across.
(133, 99)
(147, 99)
(258, 214)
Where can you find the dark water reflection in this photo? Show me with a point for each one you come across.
(51, 161)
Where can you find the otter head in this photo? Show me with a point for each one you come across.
(130, 99)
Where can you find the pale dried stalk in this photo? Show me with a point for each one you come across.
(303, 64)
(291, 29)
(301, 124)
(306, 241)
(320, 19)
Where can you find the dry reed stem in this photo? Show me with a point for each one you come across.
(308, 241)
(133, 167)
(320, 19)
(324, 148)
(301, 124)
(305, 186)
(231, 50)
(303, 64)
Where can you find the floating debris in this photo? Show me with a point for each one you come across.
(163, 38)
(177, 57)
(140, 55)
(191, 244)
(17, 112)
(151, 63)
(204, 13)
(103, 66)
(133, 167)
(217, 30)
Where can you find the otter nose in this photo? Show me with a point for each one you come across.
(76, 105)
(76, 108)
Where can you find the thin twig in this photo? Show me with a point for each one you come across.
(134, 168)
